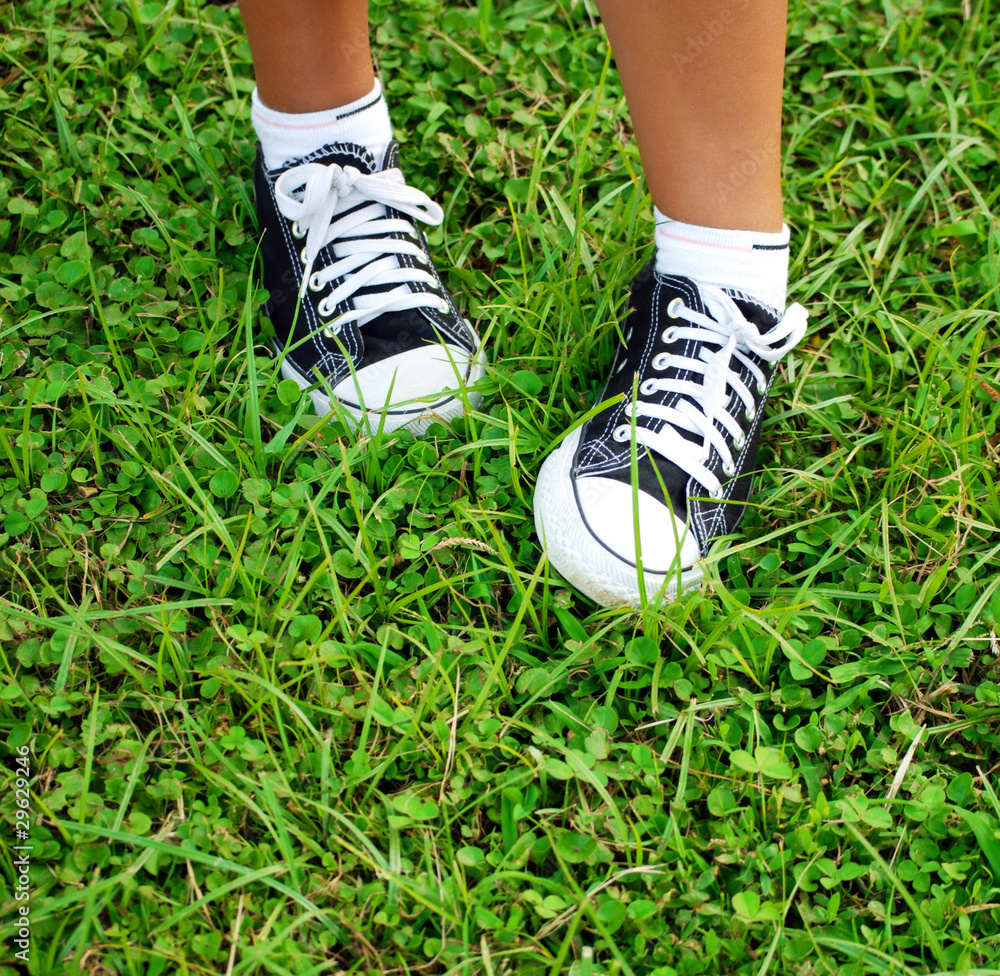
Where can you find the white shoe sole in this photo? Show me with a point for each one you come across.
(414, 415)
(579, 557)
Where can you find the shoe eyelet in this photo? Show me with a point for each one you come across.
(442, 305)
(622, 433)
(660, 361)
(740, 443)
(423, 258)
(647, 387)
(729, 469)
(297, 232)
(761, 389)
(716, 493)
(675, 307)
(315, 285)
(751, 414)
(302, 256)
(669, 335)
(331, 329)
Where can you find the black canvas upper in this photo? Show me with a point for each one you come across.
(307, 348)
(600, 455)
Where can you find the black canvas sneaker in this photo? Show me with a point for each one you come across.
(360, 314)
(704, 360)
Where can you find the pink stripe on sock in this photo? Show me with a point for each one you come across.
(282, 125)
(692, 240)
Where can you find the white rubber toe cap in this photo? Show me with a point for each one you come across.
(586, 526)
(426, 385)
(418, 377)
(607, 508)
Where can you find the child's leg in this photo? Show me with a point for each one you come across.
(703, 79)
(360, 316)
(707, 322)
(309, 55)
(315, 81)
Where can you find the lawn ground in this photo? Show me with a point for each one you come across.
(297, 701)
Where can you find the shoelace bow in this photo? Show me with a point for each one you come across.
(705, 413)
(312, 195)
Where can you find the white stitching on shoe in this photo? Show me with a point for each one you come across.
(324, 359)
(621, 459)
(716, 508)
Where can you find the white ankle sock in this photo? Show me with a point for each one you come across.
(285, 136)
(738, 260)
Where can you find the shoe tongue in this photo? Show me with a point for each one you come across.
(345, 154)
(763, 316)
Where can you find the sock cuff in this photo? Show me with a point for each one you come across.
(733, 241)
(286, 136)
(754, 262)
(305, 121)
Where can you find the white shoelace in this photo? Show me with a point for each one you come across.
(313, 195)
(705, 416)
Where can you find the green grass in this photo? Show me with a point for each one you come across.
(303, 702)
